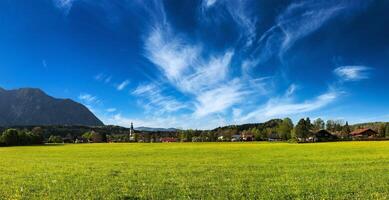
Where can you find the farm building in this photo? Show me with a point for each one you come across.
(247, 137)
(235, 138)
(68, 139)
(274, 137)
(221, 138)
(323, 136)
(168, 139)
(363, 133)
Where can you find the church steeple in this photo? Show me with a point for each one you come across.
(131, 130)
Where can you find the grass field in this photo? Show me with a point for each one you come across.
(348, 170)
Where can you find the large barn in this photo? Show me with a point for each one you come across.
(363, 133)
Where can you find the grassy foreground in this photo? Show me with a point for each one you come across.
(347, 170)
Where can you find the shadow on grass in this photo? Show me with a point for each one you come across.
(52, 145)
(35, 145)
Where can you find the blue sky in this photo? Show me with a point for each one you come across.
(202, 64)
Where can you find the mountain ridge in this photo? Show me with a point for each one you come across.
(151, 129)
(32, 106)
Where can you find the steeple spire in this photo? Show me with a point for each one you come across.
(131, 130)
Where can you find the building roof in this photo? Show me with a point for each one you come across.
(360, 131)
(322, 131)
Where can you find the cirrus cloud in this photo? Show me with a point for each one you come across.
(352, 73)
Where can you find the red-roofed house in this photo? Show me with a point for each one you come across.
(363, 133)
(168, 139)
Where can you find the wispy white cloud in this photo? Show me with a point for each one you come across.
(111, 110)
(219, 99)
(99, 77)
(166, 121)
(206, 75)
(276, 107)
(44, 63)
(297, 21)
(64, 5)
(122, 85)
(88, 98)
(352, 73)
(240, 12)
(292, 88)
(209, 3)
(156, 122)
(192, 74)
(90, 101)
(156, 100)
(108, 79)
(103, 78)
(208, 80)
(171, 54)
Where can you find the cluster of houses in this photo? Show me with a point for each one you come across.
(319, 136)
(358, 134)
(238, 137)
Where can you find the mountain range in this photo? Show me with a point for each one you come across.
(156, 129)
(30, 106)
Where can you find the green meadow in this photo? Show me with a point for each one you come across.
(341, 170)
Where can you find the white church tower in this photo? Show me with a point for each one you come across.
(132, 131)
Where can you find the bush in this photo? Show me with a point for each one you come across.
(13, 137)
(95, 137)
(37, 136)
(10, 137)
(55, 139)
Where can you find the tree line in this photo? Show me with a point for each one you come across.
(14, 137)
(275, 129)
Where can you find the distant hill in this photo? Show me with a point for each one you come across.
(156, 129)
(29, 106)
(269, 124)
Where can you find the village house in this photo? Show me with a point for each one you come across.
(363, 133)
(246, 136)
(220, 138)
(274, 137)
(68, 138)
(235, 138)
(168, 139)
(322, 136)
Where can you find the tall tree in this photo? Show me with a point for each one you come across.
(285, 128)
(381, 130)
(256, 133)
(339, 125)
(330, 125)
(301, 129)
(308, 123)
(318, 124)
(345, 131)
(10, 137)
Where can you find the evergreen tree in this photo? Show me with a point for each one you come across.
(345, 131)
(302, 130)
(189, 135)
(308, 124)
(381, 130)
